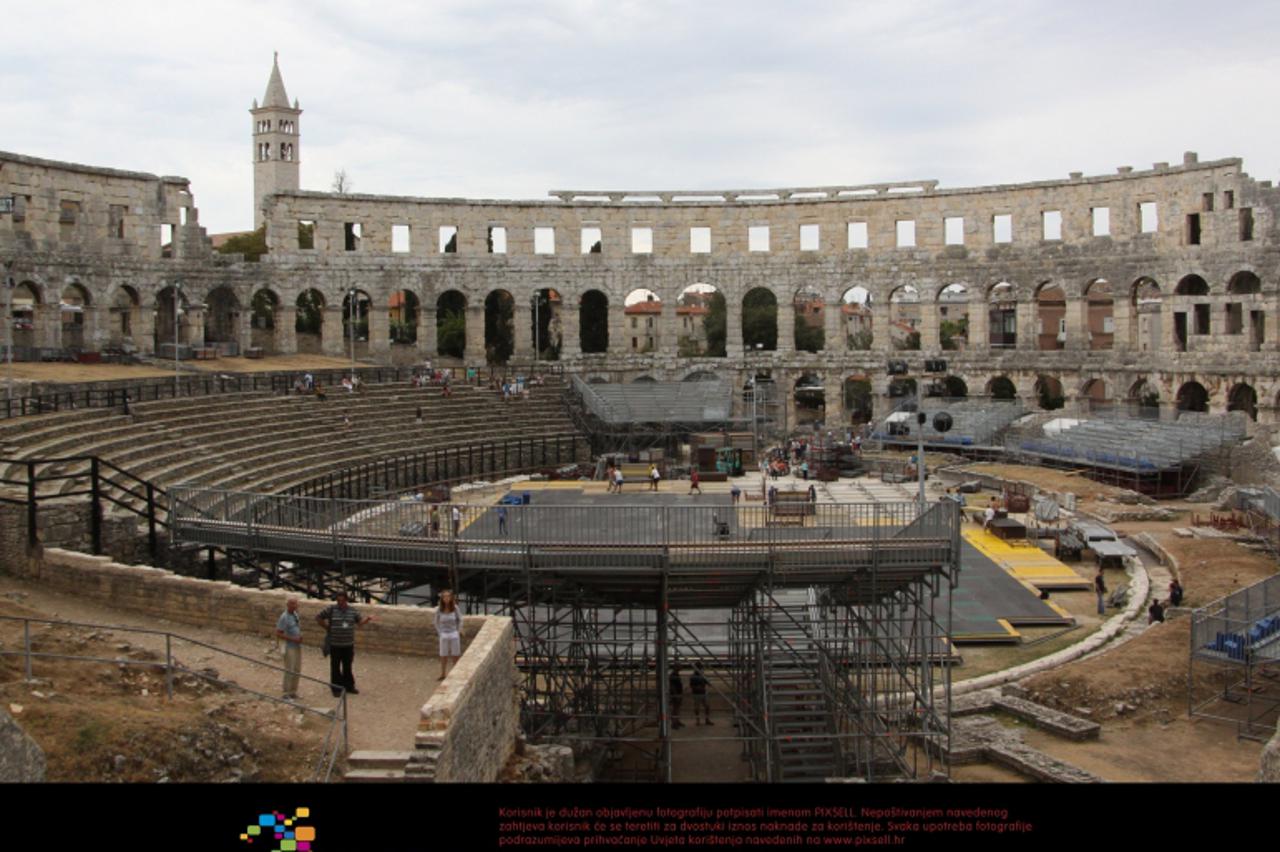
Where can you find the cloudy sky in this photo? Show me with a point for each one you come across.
(511, 98)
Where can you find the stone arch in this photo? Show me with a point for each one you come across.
(810, 308)
(760, 320)
(222, 316)
(856, 318)
(1049, 393)
(1099, 314)
(948, 387)
(904, 317)
(357, 305)
(1243, 397)
(308, 321)
(642, 320)
(499, 326)
(1145, 299)
(1191, 285)
(172, 303)
(859, 399)
(701, 376)
(74, 304)
(125, 313)
(809, 396)
(1051, 316)
(1002, 316)
(593, 322)
(953, 317)
(1001, 387)
(899, 388)
(1095, 393)
(701, 319)
(1192, 396)
(645, 379)
(451, 324)
(1244, 283)
(403, 312)
(264, 305)
(546, 330)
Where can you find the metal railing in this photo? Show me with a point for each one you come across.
(335, 740)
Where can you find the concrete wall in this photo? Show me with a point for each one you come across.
(469, 725)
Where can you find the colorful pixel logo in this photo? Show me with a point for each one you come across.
(287, 832)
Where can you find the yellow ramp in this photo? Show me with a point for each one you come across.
(1026, 562)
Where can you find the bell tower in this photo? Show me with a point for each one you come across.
(275, 143)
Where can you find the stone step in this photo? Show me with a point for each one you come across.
(374, 776)
(369, 759)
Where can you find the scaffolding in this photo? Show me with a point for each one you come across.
(1238, 636)
(827, 639)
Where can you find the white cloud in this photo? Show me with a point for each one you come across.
(510, 99)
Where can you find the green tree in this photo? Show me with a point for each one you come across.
(252, 245)
(715, 325)
(909, 343)
(306, 235)
(860, 341)
(310, 314)
(499, 310)
(760, 320)
(809, 338)
(451, 332)
(264, 310)
(949, 330)
(857, 399)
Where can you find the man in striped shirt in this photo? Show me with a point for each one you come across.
(341, 621)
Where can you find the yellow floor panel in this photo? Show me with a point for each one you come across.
(1026, 562)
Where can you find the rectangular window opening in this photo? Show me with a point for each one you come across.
(809, 237)
(166, 240)
(592, 241)
(1235, 318)
(1202, 319)
(1193, 229)
(400, 239)
(1101, 221)
(351, 235)
(68, 212)
(1147, 221)
(1229, 199)
(1052, 225)
(1206, 204)
(700, 240)
(642, 240)
(953, 230)
(182, 216)
(1002, 228)
(758, 238)
(306, 234)
(857, 235)
(116, 224)
(448, 239)
(906, 232)
(1246, 224)
(544, 240)
(497, 239)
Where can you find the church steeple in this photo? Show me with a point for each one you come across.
(275, 142)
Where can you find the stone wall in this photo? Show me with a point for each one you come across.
(187, 600)
(469, 725)
(21, 759)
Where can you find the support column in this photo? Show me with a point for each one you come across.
(1166, 341)
(428, 339)
(1270, 332)
(96, 335)
(474, 352)
(882, 335)
(1123, 322)
(379, 329)
(47, 322)
(835, 342)
(786, 326)
(1077, 325)
(979, 327)
(522, 330)
(669, 323)
(570, 329)
(143, 327)
(929, 341)
(619, 343)
(286, 330)
(835, 417)
(242, 321)
(1026, 324)
(332, 341)
(733, 330)
(194, 324)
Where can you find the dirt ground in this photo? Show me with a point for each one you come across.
(67, 372)
(1052, 480)
(383, 716)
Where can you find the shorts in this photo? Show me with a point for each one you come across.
(451, 645)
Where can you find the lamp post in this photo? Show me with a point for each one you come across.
(351, 324)
(9, 284)
(177, 299)
(537, 326)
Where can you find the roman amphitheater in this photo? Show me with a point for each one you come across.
(1096, 342)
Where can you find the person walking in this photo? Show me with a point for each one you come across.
(435, 521)
(608, 478)
(654, 476)
(1100, 588)
(456, 516)
(618, 479)
(449, 629)
(698, 686)
(340, 621)
(289, 630)
(502, 520)
(694, 481)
